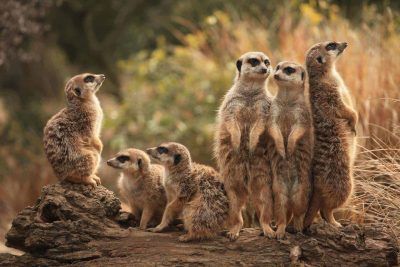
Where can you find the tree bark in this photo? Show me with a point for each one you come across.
(78, 225)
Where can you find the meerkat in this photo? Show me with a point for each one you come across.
(140, 185)
(241, 141)
(72, 136)
(193, 191)
(290, 127)
(334, 120)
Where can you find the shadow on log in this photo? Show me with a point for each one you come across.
(75, 224)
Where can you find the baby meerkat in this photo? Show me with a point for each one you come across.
(241, 141)
(334, 128)
(141, 185)
(72, 136)
(291, 128)
(193, 190)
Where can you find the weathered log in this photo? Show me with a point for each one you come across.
(78, 225)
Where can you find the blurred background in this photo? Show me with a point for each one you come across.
(168, 64)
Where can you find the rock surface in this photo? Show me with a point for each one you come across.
(77, 225)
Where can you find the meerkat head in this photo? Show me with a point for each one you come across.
(253, 66)
(83, 86)
(321, 57)
(130, 160)
(170, 155)
(289, 74)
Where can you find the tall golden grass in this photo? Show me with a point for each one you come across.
(204, 61)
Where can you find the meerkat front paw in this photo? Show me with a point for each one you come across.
(269, 233)
(235, 142)
(97, 144)
(157, 229)
(280, 234)
(90, 181)
(96, 179)
(232, 236)
(281, 151)
(185, 238)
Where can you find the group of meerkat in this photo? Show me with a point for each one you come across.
(289, 156)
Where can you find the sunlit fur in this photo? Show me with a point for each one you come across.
(193, 190)
(334, 122)
(241, 141)
(140, 185)
(290, 126)
(72, 136)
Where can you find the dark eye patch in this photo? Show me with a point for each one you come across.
(254, 62)
(267, 62)
(331, 46)
(89, 79)
(162, 150)
(123, 158)
(289, 70)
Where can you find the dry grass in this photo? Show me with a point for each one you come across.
(370, 68)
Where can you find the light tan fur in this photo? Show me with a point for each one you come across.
(193, 190)
(241, 140)
(72, 136)
(141, 185)
(291, 128)
(334, 121)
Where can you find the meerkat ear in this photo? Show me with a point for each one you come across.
(140, 163)
(177, 159)
(303, 74)
(321, 59)
(77, 91)
(239, 64)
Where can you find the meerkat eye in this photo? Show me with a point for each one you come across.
(162, 150)
(289, 70)
(254, 62)
(123, 159)
(331, 46)
(266, 62)
(89, 79)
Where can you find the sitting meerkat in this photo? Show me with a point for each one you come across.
(72, 136)
(240, 143)
(193, 191)
(290, 127)
(334, 128)
(140, 185)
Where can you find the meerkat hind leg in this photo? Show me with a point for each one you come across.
(146, 216)
(327, 215)
(235, 215)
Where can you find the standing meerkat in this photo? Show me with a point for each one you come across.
(72, 136)
(241, 140)
(290, 127)
(193, 190)
(334, 127)
(140, 185)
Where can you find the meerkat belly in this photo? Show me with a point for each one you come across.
(247, 118)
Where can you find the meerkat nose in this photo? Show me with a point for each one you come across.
(264, 70)
(276, 76)
(102, 76)
(109, 162)
(148, 150)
